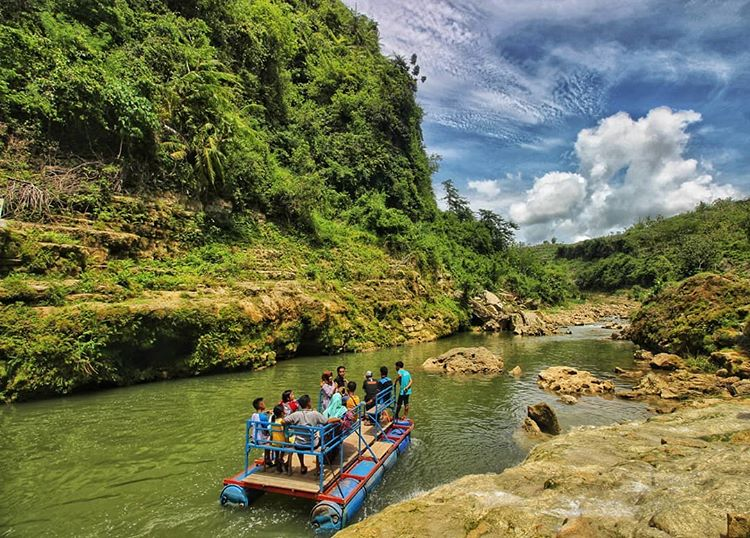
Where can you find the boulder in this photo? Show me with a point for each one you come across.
(516, 371)
(666, 361)
(682, 385)
(529, 426)
(568, 399)
(489, 309)
(528, 323)
(566, 380)
(466, 360)
(740, 388)
(543, 415)
(491, 299)
(642, 355)
(738, 526)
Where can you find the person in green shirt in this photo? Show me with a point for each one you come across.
(404, 379)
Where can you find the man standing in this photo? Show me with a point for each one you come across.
(404, 378)
(370, 387)
(341, 378)
(385, 381)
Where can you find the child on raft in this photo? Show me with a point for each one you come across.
(260, 428)
(289, 402)
(353, 400)
(278, 438)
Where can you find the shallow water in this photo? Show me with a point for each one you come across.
(149, 459)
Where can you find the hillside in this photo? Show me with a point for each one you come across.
(202, 186)
(713, 237)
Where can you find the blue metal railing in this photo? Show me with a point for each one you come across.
(322, 440)
(384, 400)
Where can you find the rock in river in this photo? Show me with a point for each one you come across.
(466, 360)
(544, 417)
(565, 380)
(516, 371)
(666, 361)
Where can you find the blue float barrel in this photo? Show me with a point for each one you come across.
(327, 517)
(390, 461)
(374, 480)
(234, 496)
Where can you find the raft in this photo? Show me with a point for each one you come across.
(353, 460)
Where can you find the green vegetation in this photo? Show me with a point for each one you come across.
(713, 237)
(695, 317)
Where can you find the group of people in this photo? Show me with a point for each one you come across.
(337, 400)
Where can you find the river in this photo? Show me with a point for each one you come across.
(149, 459)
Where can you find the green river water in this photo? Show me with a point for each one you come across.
(148, 460)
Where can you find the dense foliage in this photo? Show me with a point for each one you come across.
(286, 106)
(713, 237)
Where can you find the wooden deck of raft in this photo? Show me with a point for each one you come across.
(310, 482)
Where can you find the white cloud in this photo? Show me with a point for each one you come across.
(489, 188)
(629, 169)
(554, 195)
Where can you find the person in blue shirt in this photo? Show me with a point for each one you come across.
(404, 379)
(385, 381)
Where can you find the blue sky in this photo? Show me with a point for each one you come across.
(576, 118)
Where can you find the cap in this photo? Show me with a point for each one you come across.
(368, 373)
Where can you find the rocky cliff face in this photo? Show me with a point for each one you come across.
(679, 475)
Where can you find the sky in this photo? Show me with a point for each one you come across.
(577, 118)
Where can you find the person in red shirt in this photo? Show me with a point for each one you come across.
(289, 402)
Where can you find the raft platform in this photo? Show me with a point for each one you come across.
(353, 457)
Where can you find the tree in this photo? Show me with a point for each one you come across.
(457, 204)
(501, 231)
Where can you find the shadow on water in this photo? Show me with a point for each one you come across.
(149, 459)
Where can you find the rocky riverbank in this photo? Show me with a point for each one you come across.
(680, 475)
(503, 312)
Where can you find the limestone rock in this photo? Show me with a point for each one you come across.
(566, 380)
(738, 526)
(568, 399)
(490, 311)
(642, 355)
(543, 415)
(516, 371)
(528, 323)
(529, 426)
(666, 361)
(681, 385)
(613, 481)
(466, 360)
(735, 362)
(740, 388)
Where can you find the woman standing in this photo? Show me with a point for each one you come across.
(327, 388)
